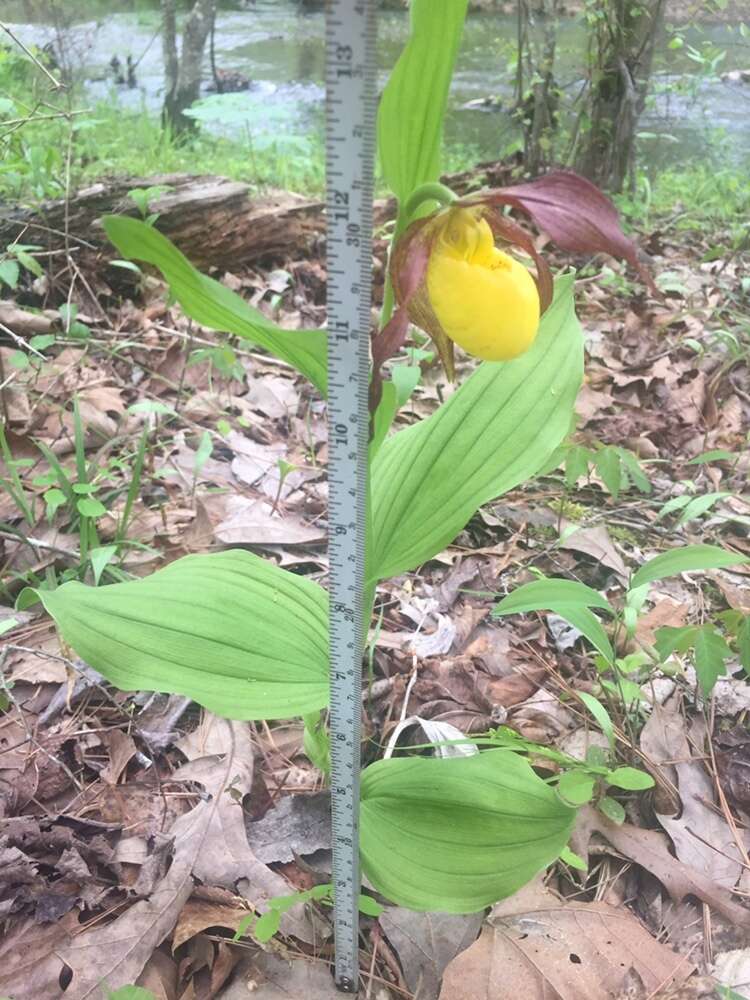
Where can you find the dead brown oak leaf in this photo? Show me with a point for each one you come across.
(539, 947)
(209, 844)
(648, 848)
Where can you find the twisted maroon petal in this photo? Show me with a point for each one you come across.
(573, 212)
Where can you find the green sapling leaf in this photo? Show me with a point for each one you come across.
(53, 499)
(630, 779)
(577, 464)
(576, 788)
(611, 809)
(100, 558)
(608, 465)
(9, 272)
(573, 860)
(601, 715)
(711, 654)
(243, 926)
(369, 906)
(90, 507)
(267, 925)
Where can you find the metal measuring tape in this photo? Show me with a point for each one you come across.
(350, 156)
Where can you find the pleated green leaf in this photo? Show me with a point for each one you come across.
(685, 559)
(410, 116)
(567, 598)
(539, 595)
(235, 633)
(212, 304)
(457, 834)
(496, 431)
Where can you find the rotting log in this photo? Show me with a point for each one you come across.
(214, 221)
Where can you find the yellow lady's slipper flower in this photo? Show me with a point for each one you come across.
(450, 280)
(484, 300)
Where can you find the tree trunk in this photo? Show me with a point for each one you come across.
(183, 75)
(622, 46)
(536, 106)
(169, 50)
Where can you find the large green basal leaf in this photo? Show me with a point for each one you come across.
(410, 116)
(233, 632)
(214, 305)
(457, 834)
(496, 431)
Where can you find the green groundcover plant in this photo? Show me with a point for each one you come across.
(249, 640)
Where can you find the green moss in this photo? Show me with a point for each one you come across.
(542, 532)
(622, 534)
(567, 508)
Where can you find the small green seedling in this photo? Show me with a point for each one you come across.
(142, 197)
(267, 924)
(576, 603)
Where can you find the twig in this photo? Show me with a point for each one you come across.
(67, 115)
(3, 383)
(371, 973)
(45, 229)
(20, 342)
(723, 799)
(655, 993)
(185, 360)
(33, 741)
(35, 543)
(56, 84)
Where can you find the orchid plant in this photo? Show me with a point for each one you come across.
(249, 640)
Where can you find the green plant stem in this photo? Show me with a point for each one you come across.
(618, 625)
(14, 485)
(135, 485)
(83, 537)
(432, 191)
(79, 441)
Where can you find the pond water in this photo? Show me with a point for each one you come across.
(693, 114)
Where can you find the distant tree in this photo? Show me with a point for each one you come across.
(183, 71)
(622, 38)
(537, 93)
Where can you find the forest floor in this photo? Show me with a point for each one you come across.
(98, 804)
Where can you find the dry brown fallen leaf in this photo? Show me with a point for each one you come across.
(266, 976)
(648, 848)
(273, 395)
(538, 947)
(198, 914)
(594, 542)
(426, 943)
(666, 611)
(29, 966)
(254, 522)
(160, 976)
(701, 836)
(230, 862)
(116, 954)
(113, 955)
(209, 844)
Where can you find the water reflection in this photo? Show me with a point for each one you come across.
(281, 49)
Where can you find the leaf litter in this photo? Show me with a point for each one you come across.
(138, 835)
